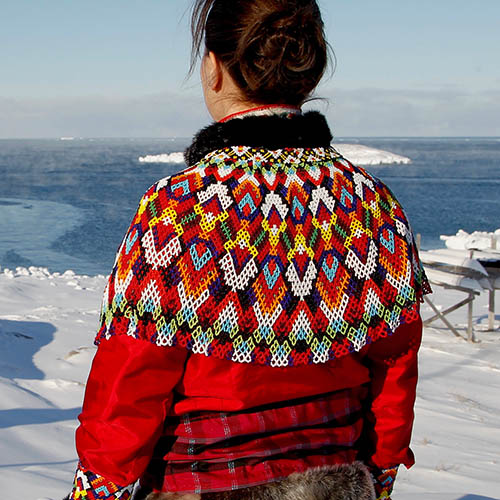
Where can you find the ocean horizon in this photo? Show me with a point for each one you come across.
(65, 203)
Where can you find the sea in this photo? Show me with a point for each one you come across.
(66, 204)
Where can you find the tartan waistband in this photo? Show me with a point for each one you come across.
(214, 451)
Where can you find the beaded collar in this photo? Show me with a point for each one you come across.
(275, 131)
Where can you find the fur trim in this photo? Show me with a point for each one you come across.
(173, 496)
(340, 482)
(308, 130)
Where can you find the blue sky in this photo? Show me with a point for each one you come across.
(118, 67)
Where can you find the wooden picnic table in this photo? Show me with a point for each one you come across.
(470, 271)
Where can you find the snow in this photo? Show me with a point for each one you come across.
(355, 153)
(442, 256)
(47, 325)
(479, 240)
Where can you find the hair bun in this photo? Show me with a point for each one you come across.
(280, 53)
(275, 50)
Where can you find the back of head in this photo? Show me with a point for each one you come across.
(275, 50)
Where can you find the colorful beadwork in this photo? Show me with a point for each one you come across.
(91, 486)
(383, 481)
(279, 257)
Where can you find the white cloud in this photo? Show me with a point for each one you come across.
(160, 115)
(445, 112)
(358, 112)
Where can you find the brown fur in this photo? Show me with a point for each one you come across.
(342, 482)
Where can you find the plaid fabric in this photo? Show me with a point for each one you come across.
(225, 451)
(91, 486)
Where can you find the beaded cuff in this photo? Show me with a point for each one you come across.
(383, 481)
(90, 486)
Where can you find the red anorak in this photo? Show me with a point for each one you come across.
(261, 318)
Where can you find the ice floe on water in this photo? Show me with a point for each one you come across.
(163, 158)
(355, 153)
(364, 155)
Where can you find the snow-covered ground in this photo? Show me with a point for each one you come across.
(47, 325)
(355, 153)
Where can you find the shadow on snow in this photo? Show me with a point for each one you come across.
(19, 342)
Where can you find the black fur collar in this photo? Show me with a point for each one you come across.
(271, 132)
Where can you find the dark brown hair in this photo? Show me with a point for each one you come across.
(275, 50)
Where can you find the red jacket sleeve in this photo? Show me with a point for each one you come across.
(128, 394)
(393, 367)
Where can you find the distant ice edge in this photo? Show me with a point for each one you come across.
(163, 158)
(364, 155)
(483, 240)
(355, 153)
(43, 273)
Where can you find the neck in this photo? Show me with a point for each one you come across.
(220, 109)
(263, 110)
